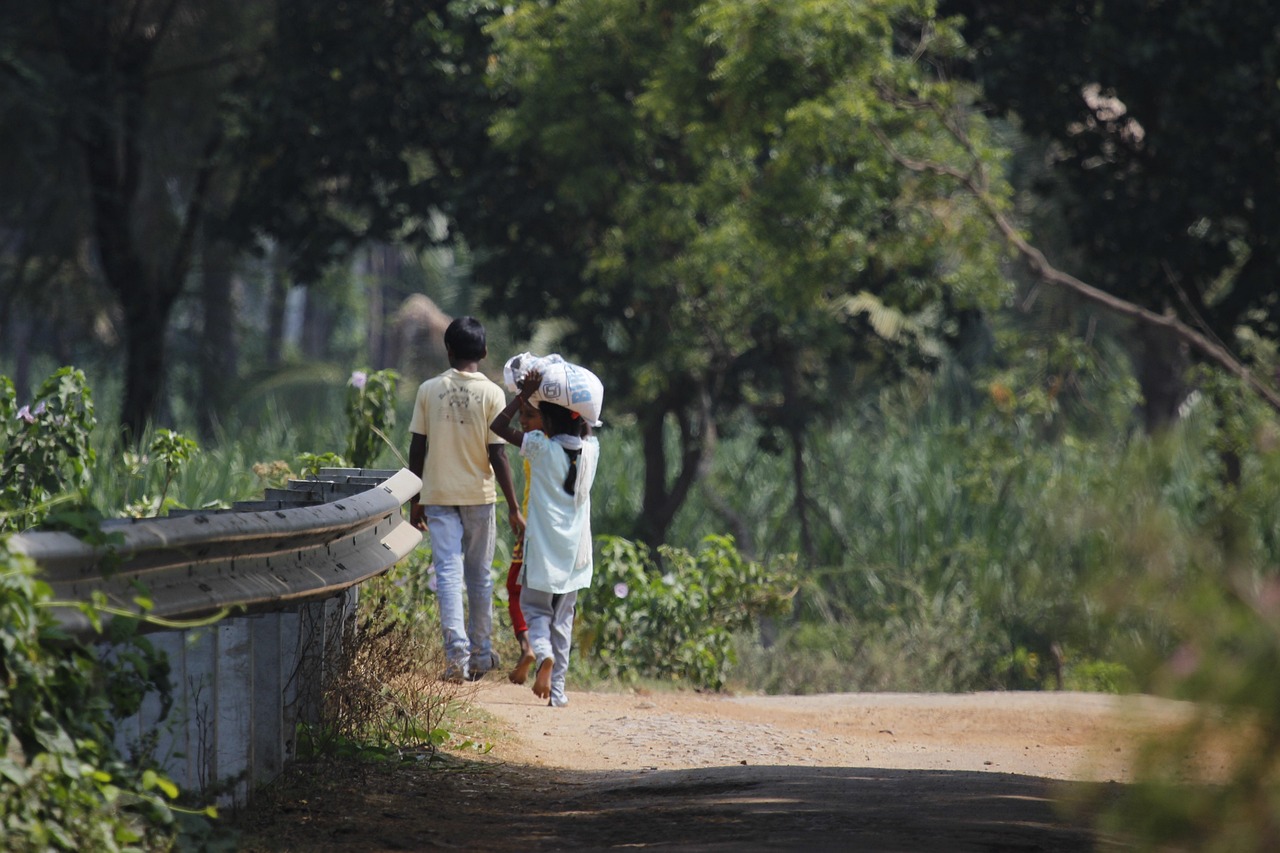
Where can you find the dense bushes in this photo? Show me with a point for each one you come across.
(62, 787)
(675, 622)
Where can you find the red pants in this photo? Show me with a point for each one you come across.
(513, 590)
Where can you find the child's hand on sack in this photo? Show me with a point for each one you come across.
(532, 380)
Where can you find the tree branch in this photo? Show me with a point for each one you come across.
(975, 184)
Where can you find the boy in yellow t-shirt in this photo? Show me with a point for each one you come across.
(459, 461)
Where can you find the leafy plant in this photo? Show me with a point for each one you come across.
(173, 450)
(44, 446)
(311, 463)
(169, 450)
(676, 623)
(371, 415)
(62, 787)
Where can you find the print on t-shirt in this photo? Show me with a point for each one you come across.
(460, 404)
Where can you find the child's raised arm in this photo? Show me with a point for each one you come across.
(502, 423)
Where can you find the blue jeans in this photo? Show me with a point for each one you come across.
(462, 544)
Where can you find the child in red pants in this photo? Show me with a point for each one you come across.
(530, 419)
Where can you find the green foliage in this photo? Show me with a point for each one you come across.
(961, 550)
(125, 482)
(311, 463)
(44, 446)
(715, 182)
(371, 415)
(61, 785)
(1206, 561)
(675, 622)
(170, 452)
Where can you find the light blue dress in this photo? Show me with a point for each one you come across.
(557, 544)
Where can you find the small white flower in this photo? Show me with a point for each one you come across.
(358, 379)
(620, 589)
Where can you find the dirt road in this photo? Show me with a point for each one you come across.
(1065, 736)
(678, 771)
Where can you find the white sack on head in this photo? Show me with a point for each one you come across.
(563, 383)
(518, 365)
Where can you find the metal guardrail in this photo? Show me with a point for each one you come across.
(290, 547)
(288, 567)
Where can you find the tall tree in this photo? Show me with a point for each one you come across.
(133, 85)
(705, 184)
(1162, 121)
(44, 294)
(198, 131)
(352, 130)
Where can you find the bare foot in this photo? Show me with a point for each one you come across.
(542, 681)
(521, 672)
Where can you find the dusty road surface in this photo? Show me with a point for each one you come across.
(689, 772)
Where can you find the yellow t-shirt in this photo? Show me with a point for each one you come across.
(454, 410)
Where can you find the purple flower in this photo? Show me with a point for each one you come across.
(358, 379)
(39, 409)
(25, 414)
(1184, 661)
(620, 589)
(431, 581)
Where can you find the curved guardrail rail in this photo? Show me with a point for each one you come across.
(197, 563)
(288, 569)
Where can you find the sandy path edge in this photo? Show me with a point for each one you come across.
(1064, 736)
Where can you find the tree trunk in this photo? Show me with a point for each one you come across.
(113, 69)
(697, 437)
(218, 354)
(18, 337)
(145, 322)
(801, 492)
(317, 327)
(1162, 363)
(382, 264)
(655, 514)
(277, 304)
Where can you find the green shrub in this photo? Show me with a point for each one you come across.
(371, 415)
(44, 446)
(677, 622)
(62, 787)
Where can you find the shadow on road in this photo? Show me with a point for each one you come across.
(806, 808)
(496, 806)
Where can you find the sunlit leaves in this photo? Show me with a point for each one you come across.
(675, 624)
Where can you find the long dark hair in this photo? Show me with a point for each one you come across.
(557, 420)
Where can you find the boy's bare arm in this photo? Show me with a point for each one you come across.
(502, 473)
(417, 459)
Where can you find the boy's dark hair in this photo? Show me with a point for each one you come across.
(564, 422)
(465, 339)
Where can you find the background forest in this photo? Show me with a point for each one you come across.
(963, 311)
